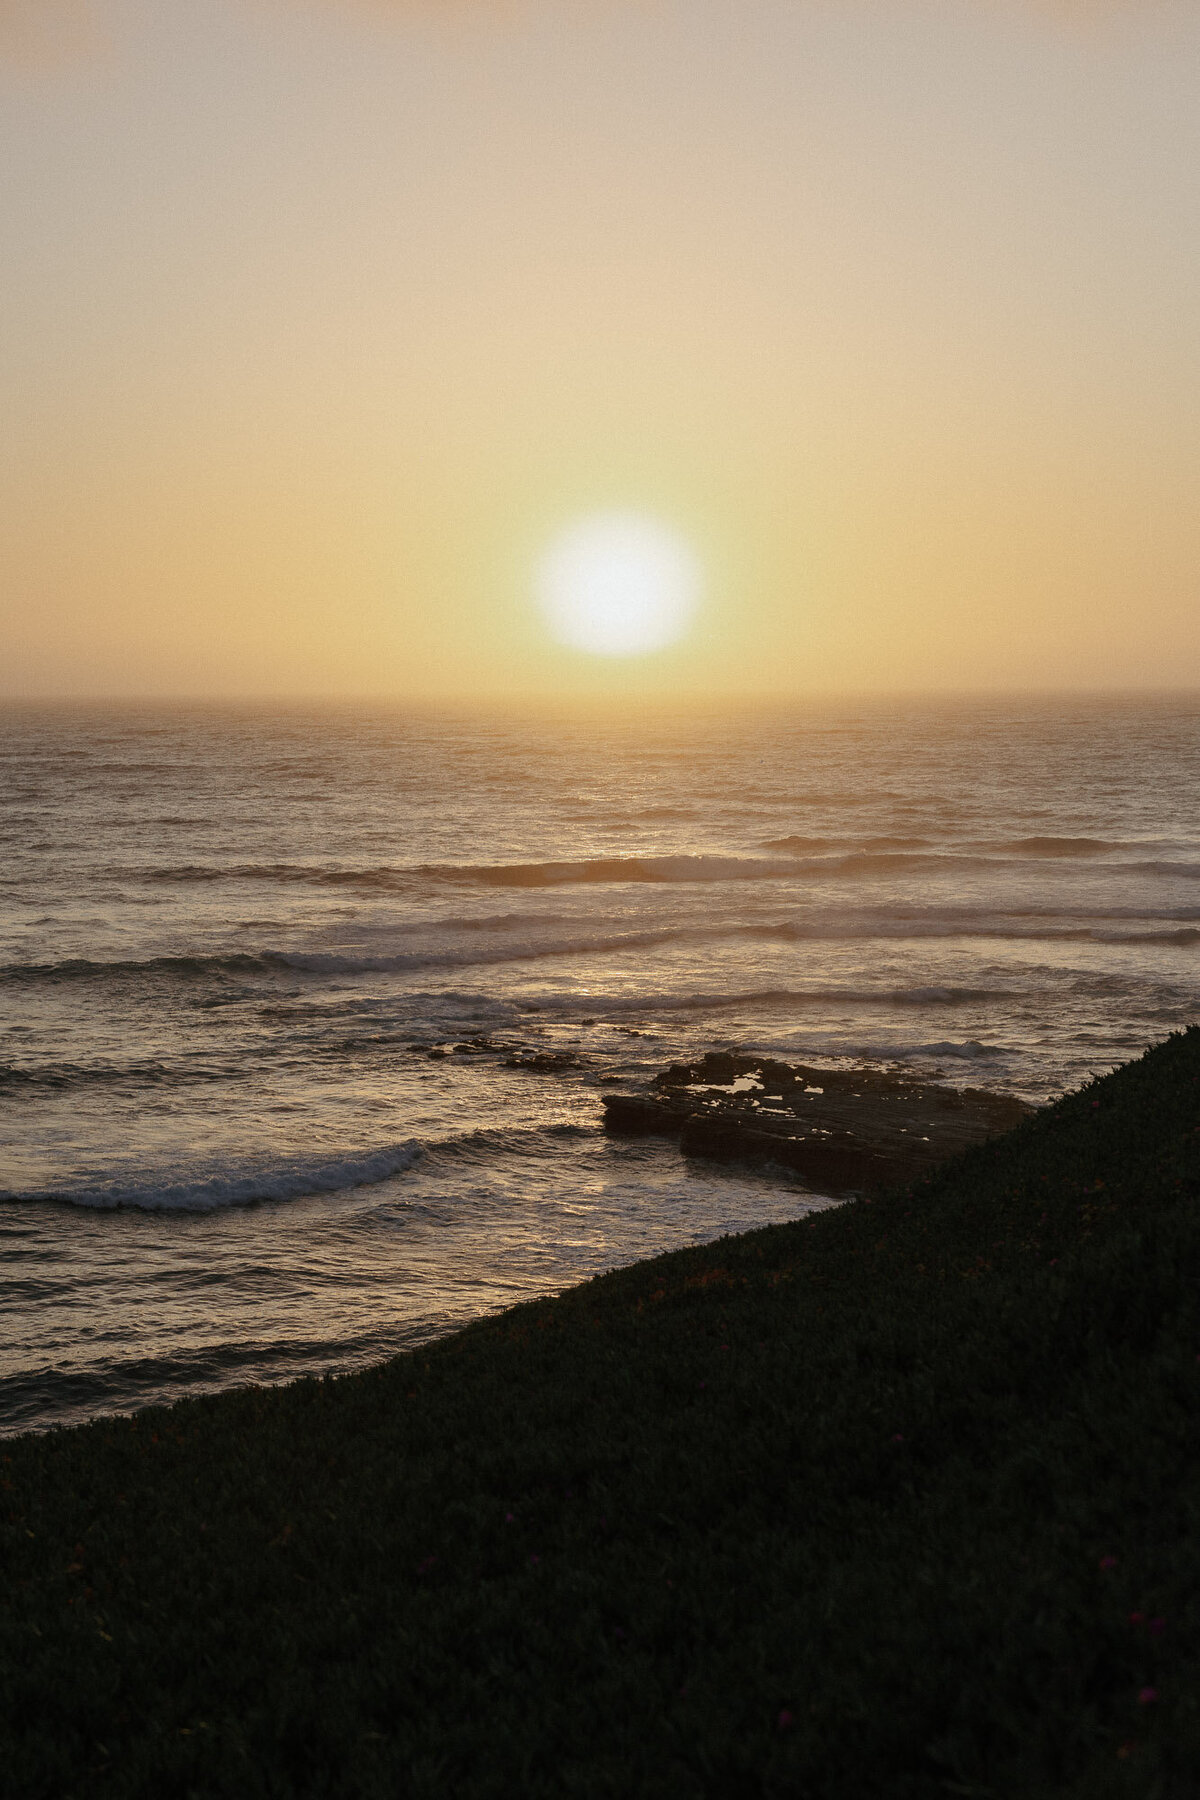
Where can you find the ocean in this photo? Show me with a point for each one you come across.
(307, 1013)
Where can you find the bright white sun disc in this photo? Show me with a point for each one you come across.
(618, 585)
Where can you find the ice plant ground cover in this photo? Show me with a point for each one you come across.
(902, 1500)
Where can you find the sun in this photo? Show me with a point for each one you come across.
(618, 584)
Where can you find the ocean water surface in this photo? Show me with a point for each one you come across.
(307, 1014)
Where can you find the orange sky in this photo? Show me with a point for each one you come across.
(320, 318)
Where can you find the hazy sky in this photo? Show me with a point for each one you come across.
(319, 319)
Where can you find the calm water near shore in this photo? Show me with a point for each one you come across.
(233, 942)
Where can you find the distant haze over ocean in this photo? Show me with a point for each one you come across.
(230, 939)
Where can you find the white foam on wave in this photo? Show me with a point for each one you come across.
(1030, 924)
(291, 1181)
(681, 936)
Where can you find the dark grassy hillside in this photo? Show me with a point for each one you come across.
(900, 1501)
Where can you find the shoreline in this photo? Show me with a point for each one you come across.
(896, 1499)
(862, 1129)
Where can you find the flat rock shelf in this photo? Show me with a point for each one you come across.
(848, 1131)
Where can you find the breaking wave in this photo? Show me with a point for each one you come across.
(144, 1074)
(290, 1181)
(665, 869)
(1025, 928)
(801, 857)
(605, 1005)
(1061, 846)
(881, 856)
(305, 874)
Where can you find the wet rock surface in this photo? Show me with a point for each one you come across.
(841, 1130)
(547, 1062)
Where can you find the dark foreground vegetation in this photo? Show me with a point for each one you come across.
(903, 1501)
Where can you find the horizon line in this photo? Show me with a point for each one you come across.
(542, 701)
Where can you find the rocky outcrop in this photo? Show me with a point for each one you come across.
(843, 1131)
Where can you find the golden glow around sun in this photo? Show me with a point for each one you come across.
(617, 584)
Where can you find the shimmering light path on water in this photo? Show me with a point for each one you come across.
(232, 943)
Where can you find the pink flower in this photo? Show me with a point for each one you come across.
(1156, 1627)
(785, 1720)
(897, 1437)
(1108, 1562)
(1147, 1696)
(509, 1517)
